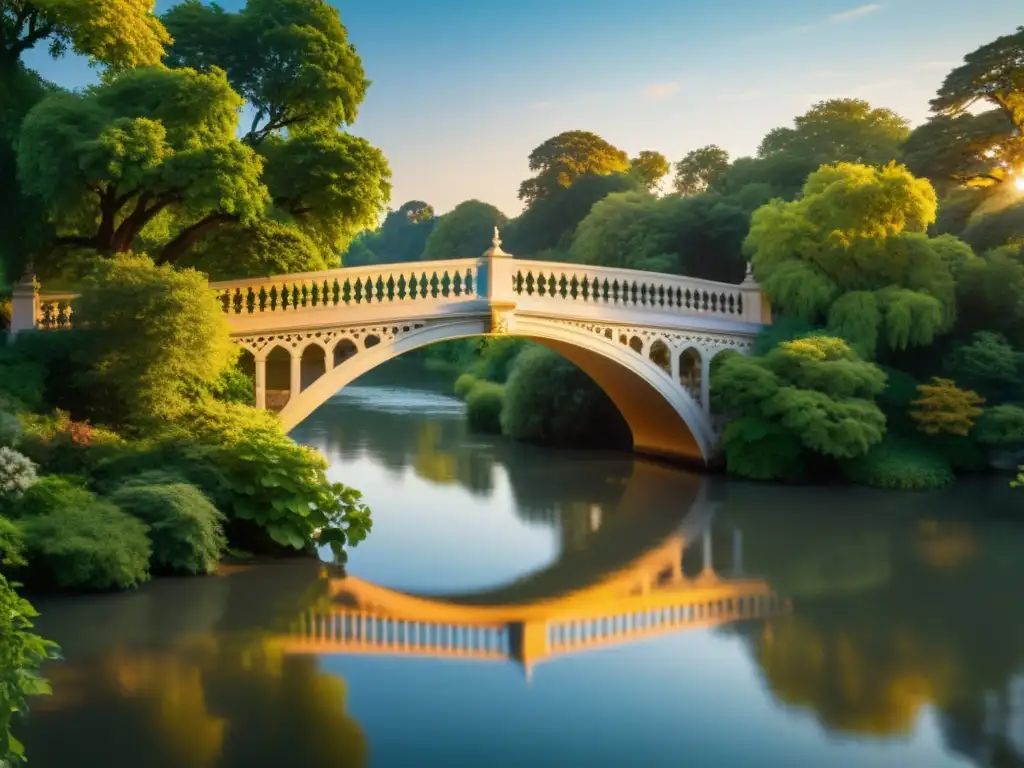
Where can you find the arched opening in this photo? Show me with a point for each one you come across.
(689, 372)
(661, 356)
(313, 365)
(636, 344)
(246, 363)
(371, 341)
(343, 350)
(279, 373)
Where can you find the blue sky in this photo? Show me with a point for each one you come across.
(463, 90)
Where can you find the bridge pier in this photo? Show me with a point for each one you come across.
(260, 381)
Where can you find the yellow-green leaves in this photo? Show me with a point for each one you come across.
(851, 252)
(117, 33)
(564, 158)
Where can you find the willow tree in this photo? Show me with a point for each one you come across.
(852, 254)
(806, 397)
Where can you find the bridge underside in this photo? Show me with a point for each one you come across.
(658, 428)
(661, 407)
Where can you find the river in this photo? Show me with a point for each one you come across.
(521, 606)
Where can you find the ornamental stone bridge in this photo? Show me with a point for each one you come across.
(647, 339)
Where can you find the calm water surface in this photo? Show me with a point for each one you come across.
(517, 606)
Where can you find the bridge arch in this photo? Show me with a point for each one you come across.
(664, 418)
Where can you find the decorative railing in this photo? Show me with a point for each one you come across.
(550, 282)
(55, 311)
(351, 286)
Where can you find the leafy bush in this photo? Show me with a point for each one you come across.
(184, 527)
(805, 399)
(22, 654)
(11, 543)
(158, 336)
(64, 359)
(483, 407)
(63, 446)
(74, 540)
(272, 481)
(899, 464)
(464, 384)
(10, 430)
(550, 401)
(17, 474)
(234, 386)
(496, 357)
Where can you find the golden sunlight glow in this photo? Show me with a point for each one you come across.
(1019, 183)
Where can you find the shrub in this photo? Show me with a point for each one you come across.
(483, 407)
(899, 464)
(158, 336)
(464, 384)
(10, 430)
(496, 357)
(550, 401)
(17, 474)
(184, 527)
(64, 359)
(74, 540)
(272, 481)
(63, 446)
(234, 386)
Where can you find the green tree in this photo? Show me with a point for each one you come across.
(840, 130)
(851, 253)
(649, 168)
(312, 78)
(987, 364)
(265, 247)
(331, 185)
(107, 162)
(293, 64)
(564, 158)
(117, 33)
(699, 170)
(159, 336)
(810, 396)
(988, 296)
(837, 130)
(991, 75)
(962, 149)
(625, 230)
(464, 232)
(549, 222)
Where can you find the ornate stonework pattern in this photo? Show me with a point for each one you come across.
(258, 344)
(703, 342)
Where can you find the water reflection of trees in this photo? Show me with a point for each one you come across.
(212, 693)
(898, 606)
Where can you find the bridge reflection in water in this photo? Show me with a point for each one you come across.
(648, 596)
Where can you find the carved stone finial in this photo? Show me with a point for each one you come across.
(749, 277)
(495, 249)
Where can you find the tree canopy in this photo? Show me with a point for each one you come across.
(314, 79)
(465, 232)
(851, 253)
(649, 168)
(970, 148)
(116, 33)
(564, 158)
(107, 162)
(699, 170)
